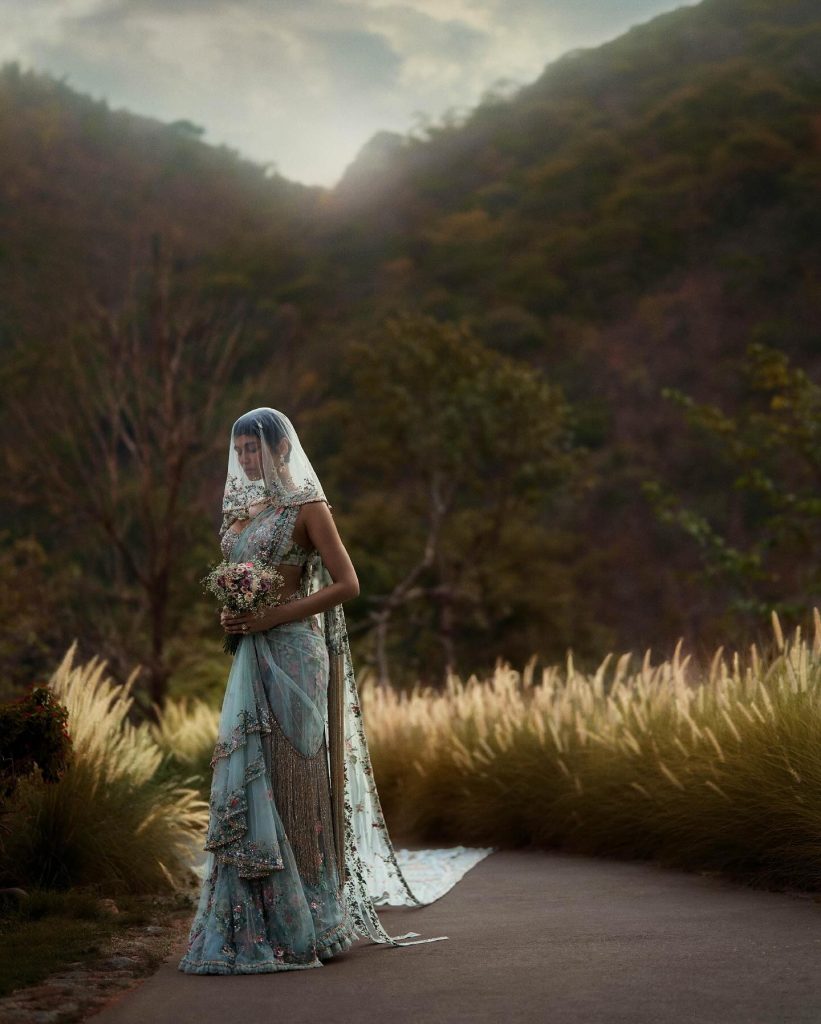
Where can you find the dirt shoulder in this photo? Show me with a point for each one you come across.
(113, 959)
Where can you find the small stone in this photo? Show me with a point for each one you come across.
(121, 961)
(13, 896)
(108, 906)
(67, 1009)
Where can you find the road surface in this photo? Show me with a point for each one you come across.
(542, 937)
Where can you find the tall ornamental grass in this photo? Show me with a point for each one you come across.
(703, 768)
(111, 821)
(716, 768)
(186, 733)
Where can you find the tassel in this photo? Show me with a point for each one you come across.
(336, 732)
(300, 787)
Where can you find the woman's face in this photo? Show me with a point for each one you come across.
(249, 453)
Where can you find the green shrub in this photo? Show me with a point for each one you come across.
(32, 733)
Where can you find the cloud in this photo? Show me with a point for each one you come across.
(302, 83)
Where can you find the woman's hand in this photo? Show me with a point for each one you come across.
(247, 622)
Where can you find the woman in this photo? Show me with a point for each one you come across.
(296, 859)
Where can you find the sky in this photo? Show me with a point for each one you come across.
(301, 85)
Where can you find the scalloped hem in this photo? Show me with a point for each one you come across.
(219, 967)
(324, 953)
(339, 939)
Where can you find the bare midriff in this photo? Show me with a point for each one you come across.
(291, 574)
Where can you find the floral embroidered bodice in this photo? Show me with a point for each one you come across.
(268, 539)
(295, 554)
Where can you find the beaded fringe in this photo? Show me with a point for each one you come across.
(302, 797)
(336, 733)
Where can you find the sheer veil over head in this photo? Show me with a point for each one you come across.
(267, 465)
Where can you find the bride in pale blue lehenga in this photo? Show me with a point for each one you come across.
(298, 853)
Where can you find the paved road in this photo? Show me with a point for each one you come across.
(539, 937)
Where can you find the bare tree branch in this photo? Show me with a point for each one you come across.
(145, 385)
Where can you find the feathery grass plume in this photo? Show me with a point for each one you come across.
(103, 739)
(779, 636)
(186, 733)
(585, 761)
(109, 822)
(676, 782)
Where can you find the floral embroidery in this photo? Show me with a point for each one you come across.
(248, 722)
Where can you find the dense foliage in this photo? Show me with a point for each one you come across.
(33, 735)
(452, 459)
(628, 223)
(772, 450)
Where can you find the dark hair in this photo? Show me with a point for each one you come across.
(264, 423)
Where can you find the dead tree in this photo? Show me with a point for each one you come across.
(138, 402)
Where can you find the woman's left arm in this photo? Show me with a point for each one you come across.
(325, 538)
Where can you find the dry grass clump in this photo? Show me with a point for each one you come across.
(111, 821)
(710, 769)
(713, 768)
(186, 733)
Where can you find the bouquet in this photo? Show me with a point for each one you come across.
(243, 587)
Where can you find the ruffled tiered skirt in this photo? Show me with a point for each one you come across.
(271, 898)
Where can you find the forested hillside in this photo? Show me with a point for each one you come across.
(83, 188)
(630, 221)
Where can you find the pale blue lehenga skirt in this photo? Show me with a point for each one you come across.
(271, 897)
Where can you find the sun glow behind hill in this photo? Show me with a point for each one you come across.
(302, 85)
